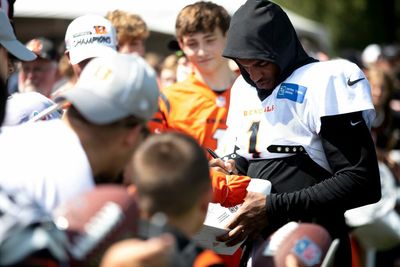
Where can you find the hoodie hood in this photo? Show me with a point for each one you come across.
(261, 30)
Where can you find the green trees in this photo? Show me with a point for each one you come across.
(352, 24)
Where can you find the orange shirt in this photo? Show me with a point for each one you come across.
(208, 258)
(192, 107)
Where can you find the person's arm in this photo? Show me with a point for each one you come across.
(350, 151)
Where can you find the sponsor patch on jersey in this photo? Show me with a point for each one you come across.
(292, 92)
(307, 251)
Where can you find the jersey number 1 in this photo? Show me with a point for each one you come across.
(253, 139)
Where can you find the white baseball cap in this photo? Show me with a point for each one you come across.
(370, 54)
(113, 88)
(10, 42)
(90, 36)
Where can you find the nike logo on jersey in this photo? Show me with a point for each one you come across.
(355, 123)
(351, 83)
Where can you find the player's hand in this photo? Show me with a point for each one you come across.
(154, 252)
(248, 221)
(228, 167)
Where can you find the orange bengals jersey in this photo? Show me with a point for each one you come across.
(192, 107)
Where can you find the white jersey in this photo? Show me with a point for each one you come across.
(46, 160)
(289, 119)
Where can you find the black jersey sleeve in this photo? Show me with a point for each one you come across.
(355, 181)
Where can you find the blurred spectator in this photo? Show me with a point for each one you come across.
(185, 67)
(386, 58)
(87, 37)
(66, 76)
(10, 45)
(131, 30)
(40, 74)
(22, 220)
(53, 161)
(389, 58)
(370, 55)
(375, 228)
(198, 105)
(154, 60)
(389, 61)
(172, 177)
(385, 127)
(158, 178)
(381, 215)
(383, 56)
(168, 70)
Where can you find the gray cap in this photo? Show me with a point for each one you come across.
(10, 42)
(115, 87)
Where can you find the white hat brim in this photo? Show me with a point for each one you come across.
(79, 54)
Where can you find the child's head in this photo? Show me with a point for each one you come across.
(171, 174)
(201, 17)
(131, 30)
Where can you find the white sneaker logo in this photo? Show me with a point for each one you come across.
(355, 123)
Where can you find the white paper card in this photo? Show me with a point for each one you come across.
(218, 217)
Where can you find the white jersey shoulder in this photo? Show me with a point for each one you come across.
(46, 161)
(291, 115)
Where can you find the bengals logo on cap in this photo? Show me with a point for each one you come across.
(100, 29)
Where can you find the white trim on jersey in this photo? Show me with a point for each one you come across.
(291, 115)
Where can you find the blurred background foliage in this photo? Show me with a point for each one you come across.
(352, 24)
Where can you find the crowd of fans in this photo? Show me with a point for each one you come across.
(81, 117)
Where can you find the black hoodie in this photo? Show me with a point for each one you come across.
(261, 30)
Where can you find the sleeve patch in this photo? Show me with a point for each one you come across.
(292, 92)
